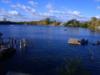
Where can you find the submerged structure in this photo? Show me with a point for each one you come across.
(5, 50)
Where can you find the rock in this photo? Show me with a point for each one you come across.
(74, 41)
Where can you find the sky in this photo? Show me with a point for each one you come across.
(63, 10)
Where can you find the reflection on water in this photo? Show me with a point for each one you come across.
(42, 50)
(23, 43)
(15, 43)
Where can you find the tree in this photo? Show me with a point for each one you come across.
(72, 23)
(84, 24)
(94, 22)
(47, 21)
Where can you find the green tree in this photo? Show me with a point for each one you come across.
(93, 23)
(84, 24)
(72, 23)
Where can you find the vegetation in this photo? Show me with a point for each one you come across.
(7, 22)
(76, 23)
(46, 21)
(84, 24)
(72, 23)
(92, 24)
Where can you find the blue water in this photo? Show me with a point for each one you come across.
(48, 49)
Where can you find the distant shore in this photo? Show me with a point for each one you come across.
(93, 24)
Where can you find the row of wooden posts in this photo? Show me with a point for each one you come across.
(11, 42)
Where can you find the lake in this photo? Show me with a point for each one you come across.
(48, 50)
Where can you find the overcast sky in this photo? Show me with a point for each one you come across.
(21, 10)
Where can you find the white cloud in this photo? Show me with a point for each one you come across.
(25, 8)
(75, 14)
(49, 7)
(97, 0)
(10, 14)
(33, 3)
(6, 1)
(2, 10)
(98, 16)
(62, 13)
(98, 7)
(13, 12)
(30, 11)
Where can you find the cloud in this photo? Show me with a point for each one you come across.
(33, 3)
(98, 16)
(65, 13)
(6, 1)
(14, 15)
(97, 0)
(75, 14)
(98, 7)
(2, 10)
(10, 14)
(29, 11)
(60, 13)
(26, 9)
(13, 12)
(50, 7)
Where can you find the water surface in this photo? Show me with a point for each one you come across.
(48, 49)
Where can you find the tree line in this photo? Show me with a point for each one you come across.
(92, 24)
(46, 21)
